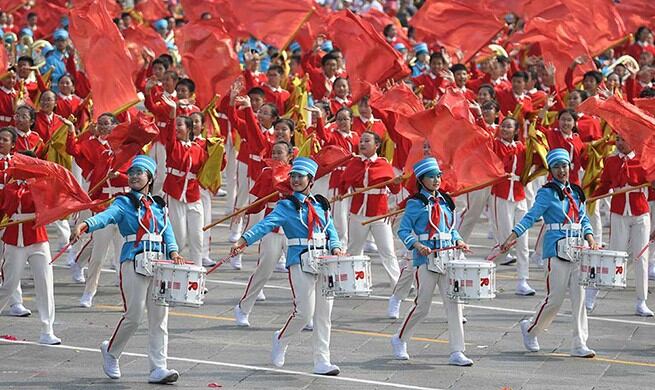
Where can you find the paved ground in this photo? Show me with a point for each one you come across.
(210, 351)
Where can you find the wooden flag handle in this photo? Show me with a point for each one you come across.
(99, 184)
(241, 210)
(371, 187)
(379, 217)
(18, 222)
(621, 191)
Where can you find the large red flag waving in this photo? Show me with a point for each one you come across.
(330, 157)
(152, 9)
(208, 57)
(49, 16)
(646, 104)
(128, 138)
(103, 52)
(141, 36)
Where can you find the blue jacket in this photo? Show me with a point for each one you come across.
(122, 213)
(415, 223)
(294, 224)
(57, 62)
(554, 211)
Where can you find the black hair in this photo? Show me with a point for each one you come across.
(256, 91)
(276, 68)
(327, 58)
(647, 93)
(67, 75)
(12, 132)
(491, 89)
(502, 60)
(584, 95)
(516, 126)
(188, 122)
(596, 75)
(288, 146)
(198, 113)
(340, 78)
(491, 104)
(387, 29)
(287, 122)
(524, 75)
(640, 30)
(346, 109)
(274, 112)
(458, 67)
(168, 58)
(573, 114)
(30, 109)
(376, 136)
(437, 56)
(187, 83)
(111, 116)
(31, 14)
(27, 59)
(172, 74)
(161, 62)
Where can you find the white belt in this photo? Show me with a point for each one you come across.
(20, 216)
(2, 186)
(271, 205)
(374, 191)
(563, 226)
(175, 172)
(299, 241)
(5, 118)
(161, 124)
(341, 168)
(145, 237)
(221, 115)
(255, 157)
(425, 236)
(111, 191)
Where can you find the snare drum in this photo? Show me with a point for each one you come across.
(603, 269)
(178, 284)
(471, 280)
(345, 276)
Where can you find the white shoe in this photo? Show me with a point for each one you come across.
(583, 352)
(241, 317)
(77, 273)
(260, 297)
(399, 348)
(393, 310)
(459, 359)
(18, 310)
(234, 237)
(642, 310)
(86, 300)
(309, 327)
(509, 261)
(370, 247)
(464, 320)
(208, 262)
(281, 267)
(163, 376)
(524, 289)
(109, 363)
(49, 339)
(530, 342)
(278, 351)
(235, 262)
(326, 369)
(590, 298)
(70, 258)
(221, 193)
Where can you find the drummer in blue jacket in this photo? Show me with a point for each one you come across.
(307, 223)
(561, 204)
(428, 224)
(143, 221)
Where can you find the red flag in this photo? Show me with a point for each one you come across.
(369, 57)
(636, 13)
(103, 52)
(330, 157)
(316, 25)
(379, 20)
(208, 57)
(113, 7)
(275, 22)
(646, 104)
(220, 10)
(49, 16)
(4, 60)
(152, 9)
(128, 138)
(399, 99)
(468, 26)
(647, 159)
(274, 177)
(633, 124)
(138, 37)
(55, 190)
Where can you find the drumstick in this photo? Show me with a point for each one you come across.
(644, 248)
(219, 263)
(65, 248)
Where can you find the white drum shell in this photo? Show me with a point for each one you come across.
(603, 269)
(345, 276)
(471, 280)
(178, 284)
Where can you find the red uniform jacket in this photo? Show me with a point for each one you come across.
(336, 103)
(69, 105)
(508, 101)
(17, 204)
(624, 171)
(433, 85)
(7, 102)
(46, 124)
(277, 97)
(362, 172)
(331, 136)
(589, 128)
(30, 141)
(255, 141)
(372, 124)
(253, 79)
(573, 145)
(513, 157)
(319, 84)
(183, 162)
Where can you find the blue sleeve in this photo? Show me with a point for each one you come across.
(406, 230)
(541, 203)
(271, 221)
(113, 215)
(332, 235)
(169, 239)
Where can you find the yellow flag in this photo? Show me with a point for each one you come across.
(209, 175)
(596, 152)
(535, 143)
(388, 148)
(308, 147)
(56, 148)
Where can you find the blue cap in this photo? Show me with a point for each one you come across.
(427, 165)
(400, 46)
(327, 46)
(295, 46)
(304, 166)
(556, 156)
(64, 21)
(26, 31)
(60, 34)
(144, 162)
(8, 38)
(160, 24)
(46, 50)
(421, 47)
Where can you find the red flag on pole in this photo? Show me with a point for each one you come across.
(128, 138)
(141, 36)
(49, 16)
(330, 157)
(646, 104)
(152, 9)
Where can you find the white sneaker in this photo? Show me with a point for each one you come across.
(241, 317)
(261, 297)
(370, 247)
(235, 262)
(642, 310)
(583, 352)
(524, 289)
(459, 359)
(309, 327)
(18, 310)
(77, 273)
(163, 376)
(590, 298)
(326, 369)
(208, 262)
(109, 363)
(221, 193)
(509, 261)
(281, 267)
(529, 342)
(393, 310)
(399, 348)
(49, 339)
(86, 300)
(234, 237)
(278, 351)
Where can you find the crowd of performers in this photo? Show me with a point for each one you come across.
(159, 204)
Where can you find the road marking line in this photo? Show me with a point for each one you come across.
(607, 360)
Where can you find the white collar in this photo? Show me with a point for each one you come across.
(23, 134)
(570, 136)
(269, 130)
(507, 143)
(342, 101)
(186, 144)
(274, 89)
(371, 159)
(628, 156)
(5, 156)
(7, 91)
(67, 98)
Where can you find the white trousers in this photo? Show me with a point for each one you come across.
(206, 199)
(271, 248)
(187, 221)
(136, 293)
(506, 214)
(630, 234)
(158, 153)
(426, 281)
(230, 173)
(308, 303)
(405, 280)
(242, 196)
(83, 245)
(475, 204)
(102, 239)
(562, 276)
(38, 256)
(340, 211)
(651, 249)
(16, 296)
(383, 236)
(63, 232)
(596, 222)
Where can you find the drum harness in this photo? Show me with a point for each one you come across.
(317, 245)
(443, 237)
(573, 240)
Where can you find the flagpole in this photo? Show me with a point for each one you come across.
(621, 191)
(18, 222)
(470, 57)
(295, 32)
(241, 210)
(371, 187)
